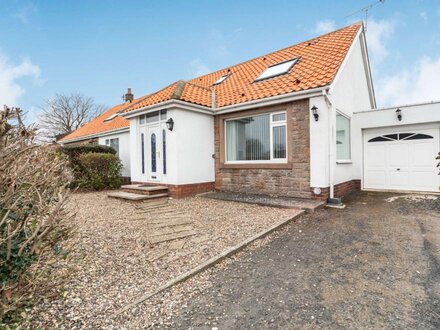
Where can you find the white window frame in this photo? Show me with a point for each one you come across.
(160, 119)
(343, 161)
(108, 143)
(272, 124)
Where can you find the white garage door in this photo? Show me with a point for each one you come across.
(401, 161)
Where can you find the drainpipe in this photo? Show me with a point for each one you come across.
(331, 143)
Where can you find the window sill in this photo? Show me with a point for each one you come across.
(344, 162)
(257, 165)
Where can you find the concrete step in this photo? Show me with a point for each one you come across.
(128, 196)
(145, 189)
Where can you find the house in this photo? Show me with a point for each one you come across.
(289, 123)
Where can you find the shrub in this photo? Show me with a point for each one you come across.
(74, 151)
(33, 218)
(99, 171)
(94, 166)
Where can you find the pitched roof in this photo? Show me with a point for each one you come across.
(319, 61)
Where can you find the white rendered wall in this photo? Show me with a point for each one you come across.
(319, 146)
(349, 94)
(124, 149)
(194, 146)
(189, 148)
(135, 148)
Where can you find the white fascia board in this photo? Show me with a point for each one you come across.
(167, 105)
(399, 106)
(91, 136)
(366, 65)
(366, 59)
(273, 100)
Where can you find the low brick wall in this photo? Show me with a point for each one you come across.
(186, 190)
(340, 190)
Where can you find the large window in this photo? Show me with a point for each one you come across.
(256, 139)
(342, 138)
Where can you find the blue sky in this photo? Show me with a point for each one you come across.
(99, 48)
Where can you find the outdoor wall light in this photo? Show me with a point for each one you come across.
(315, 112)
(399, 114)
(170, 124)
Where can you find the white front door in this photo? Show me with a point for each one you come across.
(153, 153)
(401, 161)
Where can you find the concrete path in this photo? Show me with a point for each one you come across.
(375, 264)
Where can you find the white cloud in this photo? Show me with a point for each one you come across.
(378, 34)
(198, 68)
(417, 84)
(10, 74)
(424, 15)
(325, 26)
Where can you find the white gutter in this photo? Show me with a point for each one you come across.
(272, 100)
(230, 108)
(331, 144)
(91, 136)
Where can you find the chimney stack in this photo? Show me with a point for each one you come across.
(129, 96)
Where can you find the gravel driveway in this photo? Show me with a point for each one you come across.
(113, 258)
(375, 264)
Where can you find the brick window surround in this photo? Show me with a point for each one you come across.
(276, 179)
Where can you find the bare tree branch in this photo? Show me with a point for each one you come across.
(66, 113)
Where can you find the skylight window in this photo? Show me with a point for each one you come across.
(221, 79)
(277, 69)
(112, 117)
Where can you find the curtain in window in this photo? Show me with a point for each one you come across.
(248, 138)
(279, 142)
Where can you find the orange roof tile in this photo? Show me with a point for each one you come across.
(319, 61)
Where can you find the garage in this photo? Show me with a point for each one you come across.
(402, 160)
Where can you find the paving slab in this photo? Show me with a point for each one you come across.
(280, 202)
(129, 196)
(171, 237)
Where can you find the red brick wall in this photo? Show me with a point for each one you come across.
(340, 190)
(292, 179)
(184, 190)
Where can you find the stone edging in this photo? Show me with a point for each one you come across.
(209, 263)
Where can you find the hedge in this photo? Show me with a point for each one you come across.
(76, 150)
(94, 166)
(99, 171)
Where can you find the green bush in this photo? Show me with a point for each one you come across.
(74, 151)
(99, 171)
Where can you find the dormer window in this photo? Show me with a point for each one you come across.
(277, 69)
(221, 79)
